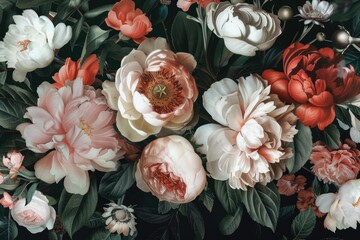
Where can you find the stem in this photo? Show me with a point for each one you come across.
(306, 30)
(85, 23)
(166, 33)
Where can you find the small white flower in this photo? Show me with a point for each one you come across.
(119, 219)
(316, 12)
(30, 43)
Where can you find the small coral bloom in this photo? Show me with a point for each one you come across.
(72, 70)
(306, 198)
(13, 162)
(120, 219)
(7, 201)
(289, 185)
(131, 22)
(336, 165)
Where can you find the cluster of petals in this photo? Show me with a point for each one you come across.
(316, 12)
(153, 89)
(306, 198)
(76, 124)
(73, 70)
(13, 162)
(30, 43)
(314, 79)
(336, 165)
(289, 184)
(185, 4)
(131, 22)
(119, 219)
(7, 201)
(248, 146)
(342, 208)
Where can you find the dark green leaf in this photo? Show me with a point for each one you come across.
(195, 219)
(30, 192)
(346, 16)
(228, 197)
(11, 142)
(159, 15)
(355, 110)
(151, 215)
(8, 229)
(352, 57)
(11, 113)
(52, 235)
(301, 147)
(207, 198)
(105, 234)
(221, 55)
(1, 16)
(96, 220)
(316, 186)
(75, 209)
(97, 11)
(230, 223)
(114, 184)
(52, 201)
(63, 11)
(23, 4)
(187, 36)
(164, 207)
(287, 212)
(263, 204)
(343, 115)
(149, 5)
(76, 30)
(303, 224)
(330, 136)
(19, 94)
(4, 4)
(356, 26)
(95, 37)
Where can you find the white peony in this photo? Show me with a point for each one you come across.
(244, 27)
(343, 208)
(30, 43)
(248, 147)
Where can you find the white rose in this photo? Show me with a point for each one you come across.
(30, 43)
(36, 215)
(244, 27)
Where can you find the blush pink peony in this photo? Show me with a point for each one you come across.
(336, 165)
(249, 146)
(76, 123)
(171, 170)
(153, 89)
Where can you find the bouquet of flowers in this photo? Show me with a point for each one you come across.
(128, 119)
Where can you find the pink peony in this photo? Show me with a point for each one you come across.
(289, 185)
(13, 162)
(7, 201)
(75, 121)
(336, 165)
(170, 169)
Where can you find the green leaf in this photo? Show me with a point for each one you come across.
(355, 110)
(151, 215)
(230, 223)
(221, 54)
(164, 207)
(95, 37)
(186, 36)
(75, 209)
(352, 57)
(303, 224)
(30, 192)
(19, 94)
(287, 212)
(105, 234)
(343, 115)
(1, 16)
(114, 184)
(330, 136)
(97, 11)
(263, 204)
(4, 4)
(301, 147)
(23, 4)
(228, 197)
(195, 219)
(159, 15)
(52, 235)
(52, 200)
(316, 186)
(348, 15)
(96, 220)
(149, 5)
(76, 30)
(207, 198)
(8, 229)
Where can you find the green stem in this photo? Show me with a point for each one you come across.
(306, 30)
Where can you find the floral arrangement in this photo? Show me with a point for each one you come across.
(128, 119)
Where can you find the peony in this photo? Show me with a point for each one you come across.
(36, 215)
(342, 208)
(316, 12)
(30, 43)
(170, 169)
(13, 162)
(76, 122)
(314, 79)
(185, 4)
(249, 145)
(289, 185)
(72, 70)
(153, 89)
(120, 219)
(131, 22)
(336, 165)
(244, 27)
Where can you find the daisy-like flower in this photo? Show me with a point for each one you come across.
(316, 12)
(119, 219)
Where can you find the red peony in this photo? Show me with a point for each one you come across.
(315, 79)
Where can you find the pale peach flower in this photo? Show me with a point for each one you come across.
(306, 198)
(131, 22)
(35, 215)
(7, 201)
(119, 219)
(153, 89)
(171, 170)
(289, 185)
(336, 165)
(72, 70)
(185, 4)
(342, 208)
(249, 146)
(75, 121)
(13, 162)
(2, 178)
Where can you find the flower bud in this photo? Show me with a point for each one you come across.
(285, 13)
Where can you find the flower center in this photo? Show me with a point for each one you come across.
(162, 89)
(357, 203)
(85, 127)
(121, 215)
(24, 44)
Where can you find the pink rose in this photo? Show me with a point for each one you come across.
(336, 165)
(7, 201)
(13, 162)
(36, 215)
(289, 185)
(171, 170)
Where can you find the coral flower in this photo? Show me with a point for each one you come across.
(306, 198)
(131, 22)
(72, 70)
(289, 185)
